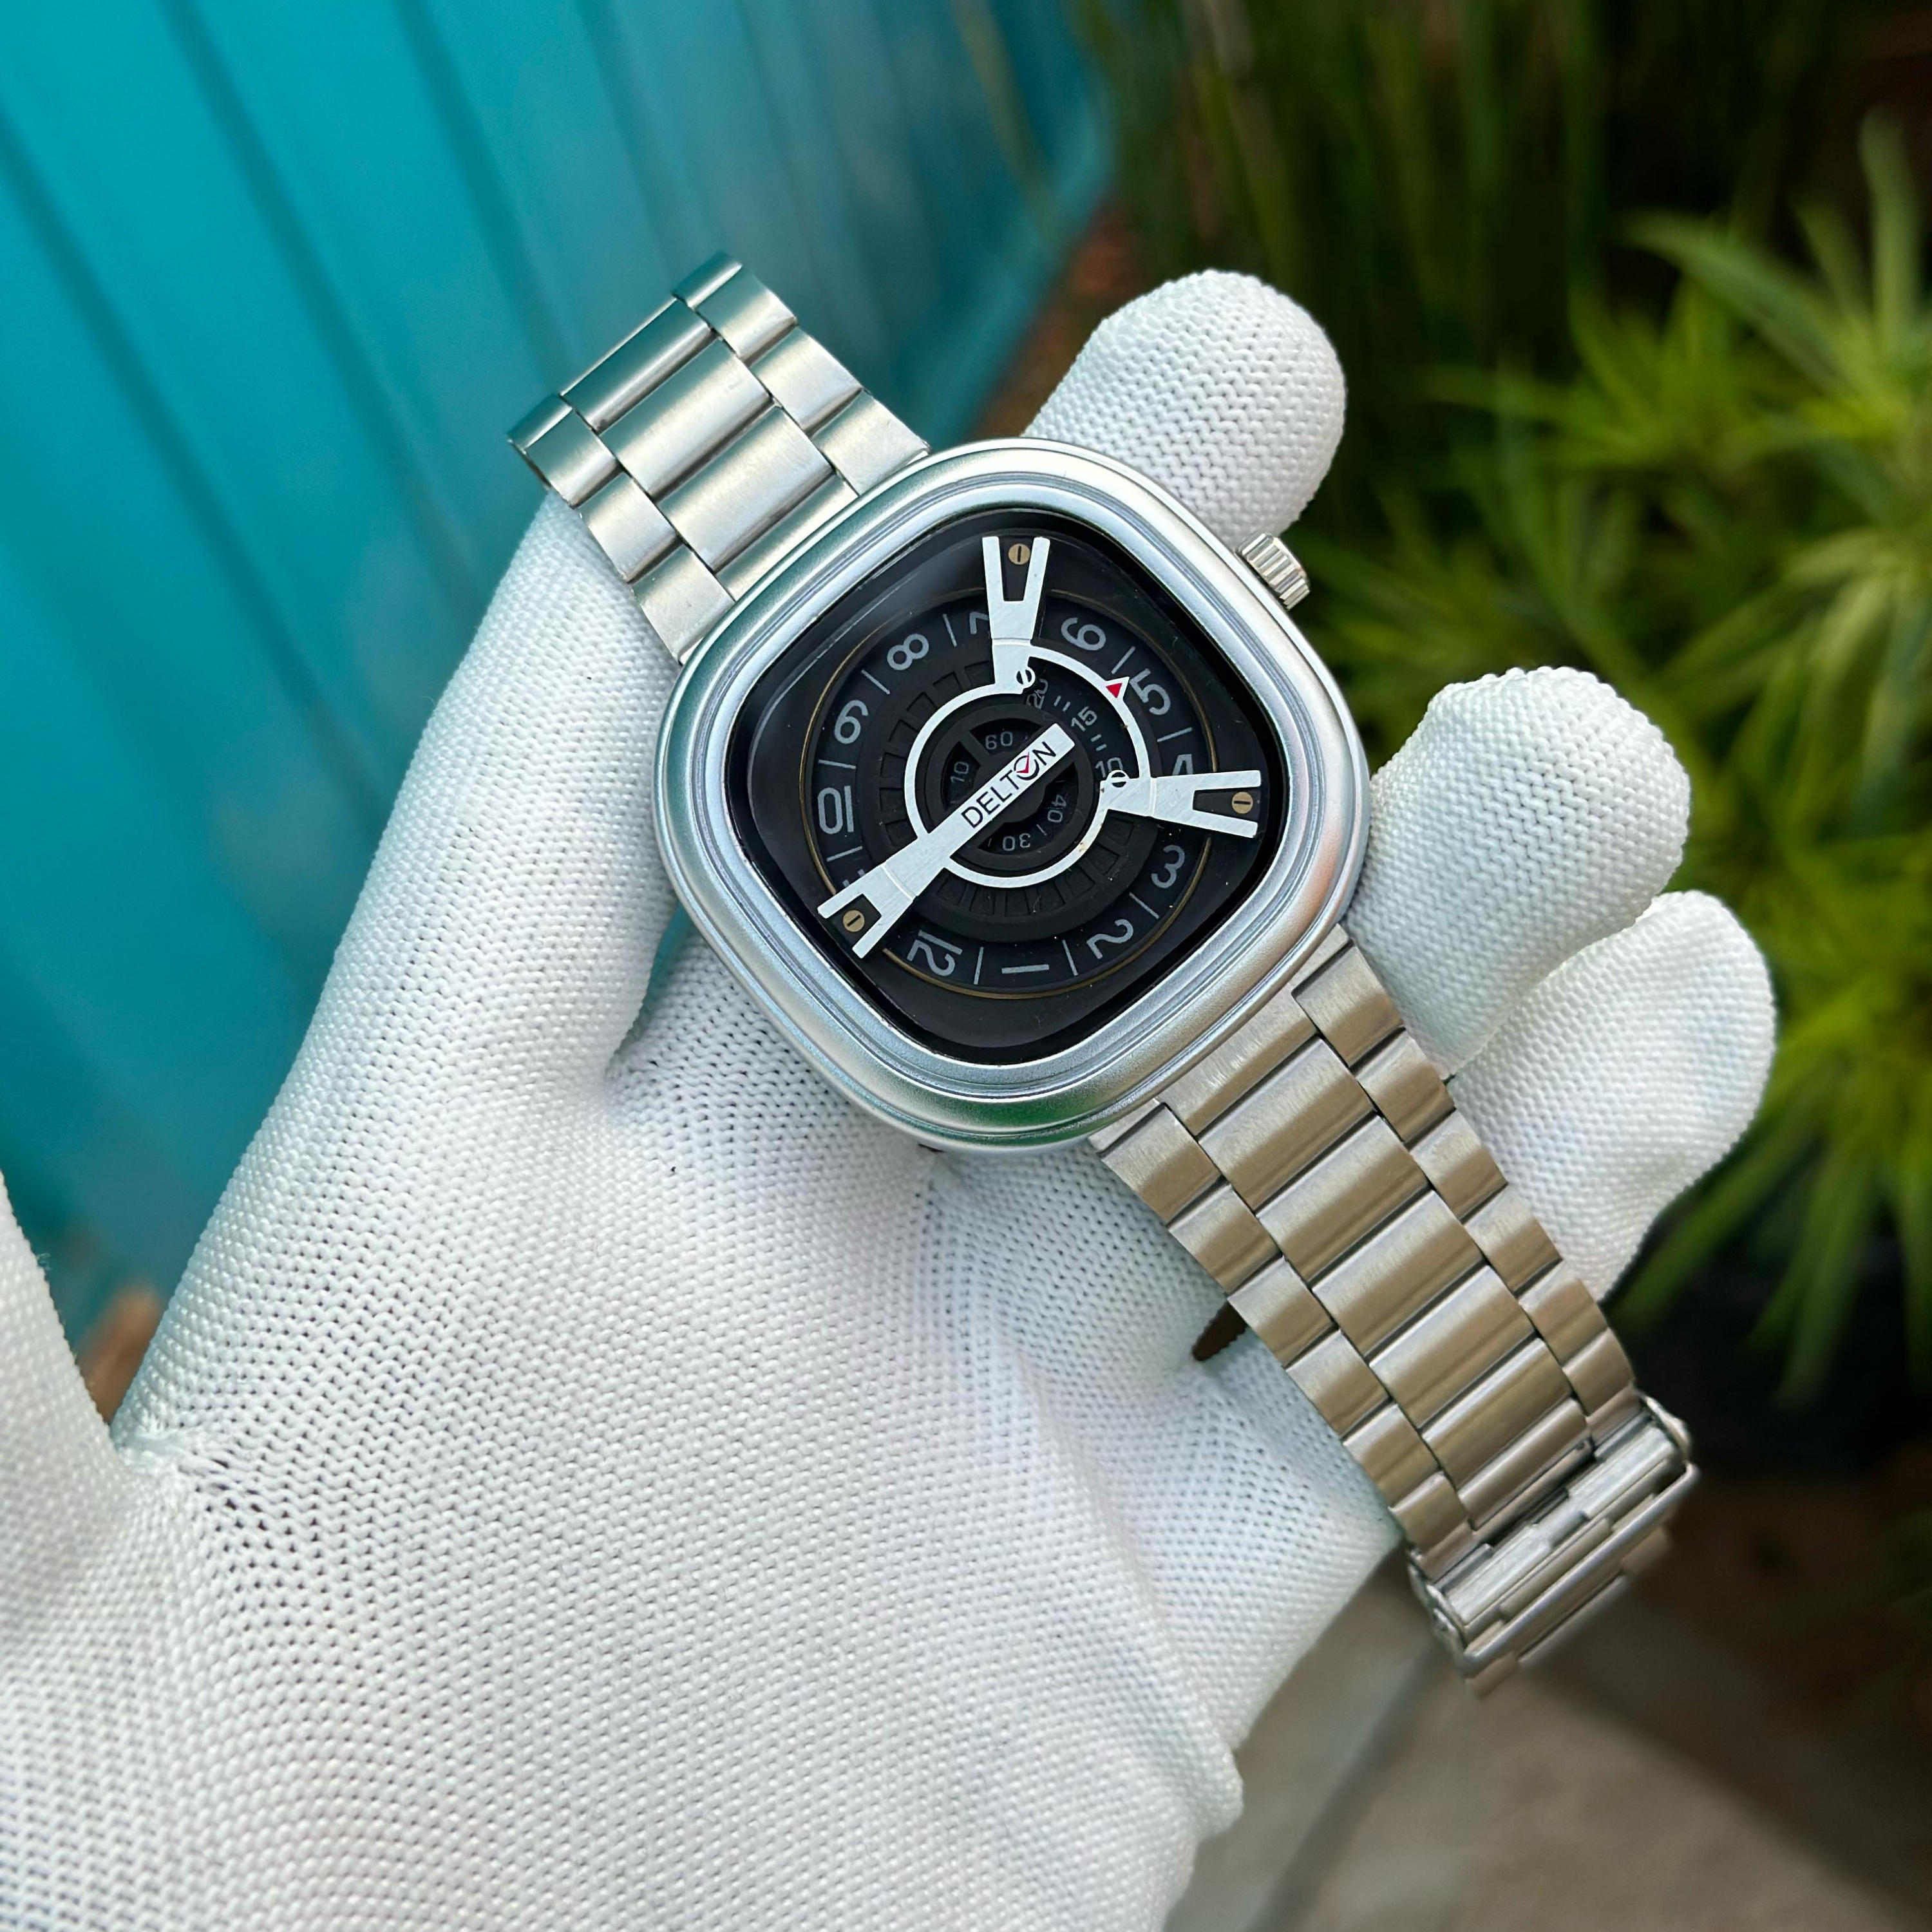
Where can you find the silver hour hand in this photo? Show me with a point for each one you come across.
(1013, 622)
(890, 887)
(1176, 800)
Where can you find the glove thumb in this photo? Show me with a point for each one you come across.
(62, 1485)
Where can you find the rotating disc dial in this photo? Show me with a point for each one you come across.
(1015, 788)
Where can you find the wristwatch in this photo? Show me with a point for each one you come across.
(1019, 802)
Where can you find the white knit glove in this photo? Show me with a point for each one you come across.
(592, 1477)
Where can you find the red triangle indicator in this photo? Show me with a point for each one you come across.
(1115, 685)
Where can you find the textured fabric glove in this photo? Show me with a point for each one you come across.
(590, 1476)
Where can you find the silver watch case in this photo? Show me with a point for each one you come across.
(961, 1103)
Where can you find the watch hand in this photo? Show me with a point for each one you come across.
(1012, 622)
(890, 887)
(1174, 800)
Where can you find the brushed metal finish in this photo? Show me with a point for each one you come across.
(805, 379)
(1404, 1087)
(737, 474)
(1333, 1376)
(1348, 1003)
(1334, 943)
(631, 528)
(746, 487)
(1116, 1130)
(1512, 1237)
(1221, 1234)
(1398, 1271)
(570, 459)
(1451, 1345)
(668, 340)
(1351, 1190)
(1393, 1456)
(745, 313)
(1517, 1471)
(1203, 1094)
(1606, 1421)
(1303, 1107)
(1163, 1163)
(764, 553)
(1277, 1304)
(865, 442)
(681, 600)
(1599, 1372)
(551, 409)
(695, 471)
(711, 273)
(1565, 1311)
(1459, 1168)
(1480, 1424)
(1431, 1513)
(661, 439)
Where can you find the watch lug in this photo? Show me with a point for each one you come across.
(1278, 567)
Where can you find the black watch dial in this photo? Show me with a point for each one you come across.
(1005, 783)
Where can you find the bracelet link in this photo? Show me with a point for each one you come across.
(707, 445)
(1501, 1604)
(1316, 1166)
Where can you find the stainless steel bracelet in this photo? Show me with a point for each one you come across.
(1315, 1165)
(707, 444)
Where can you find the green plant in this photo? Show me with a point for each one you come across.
(1436, 178)
(1727, 513)
(1692, 467)
(1908, 1566)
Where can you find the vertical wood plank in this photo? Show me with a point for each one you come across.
(277, 278)
(116, 560)
(196, 276)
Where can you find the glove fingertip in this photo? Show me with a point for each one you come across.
(1626, 1075)
(1528, 816)
(1221, 388)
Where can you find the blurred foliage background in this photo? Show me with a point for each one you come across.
(1630, 299)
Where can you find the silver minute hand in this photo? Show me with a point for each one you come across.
(1175, 800)
(890, 887)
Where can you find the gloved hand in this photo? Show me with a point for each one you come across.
(590, 1476)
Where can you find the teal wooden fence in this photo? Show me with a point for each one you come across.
(273, 278)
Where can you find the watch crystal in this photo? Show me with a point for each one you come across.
(1004, 782)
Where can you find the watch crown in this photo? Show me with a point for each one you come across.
(1278, 567)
